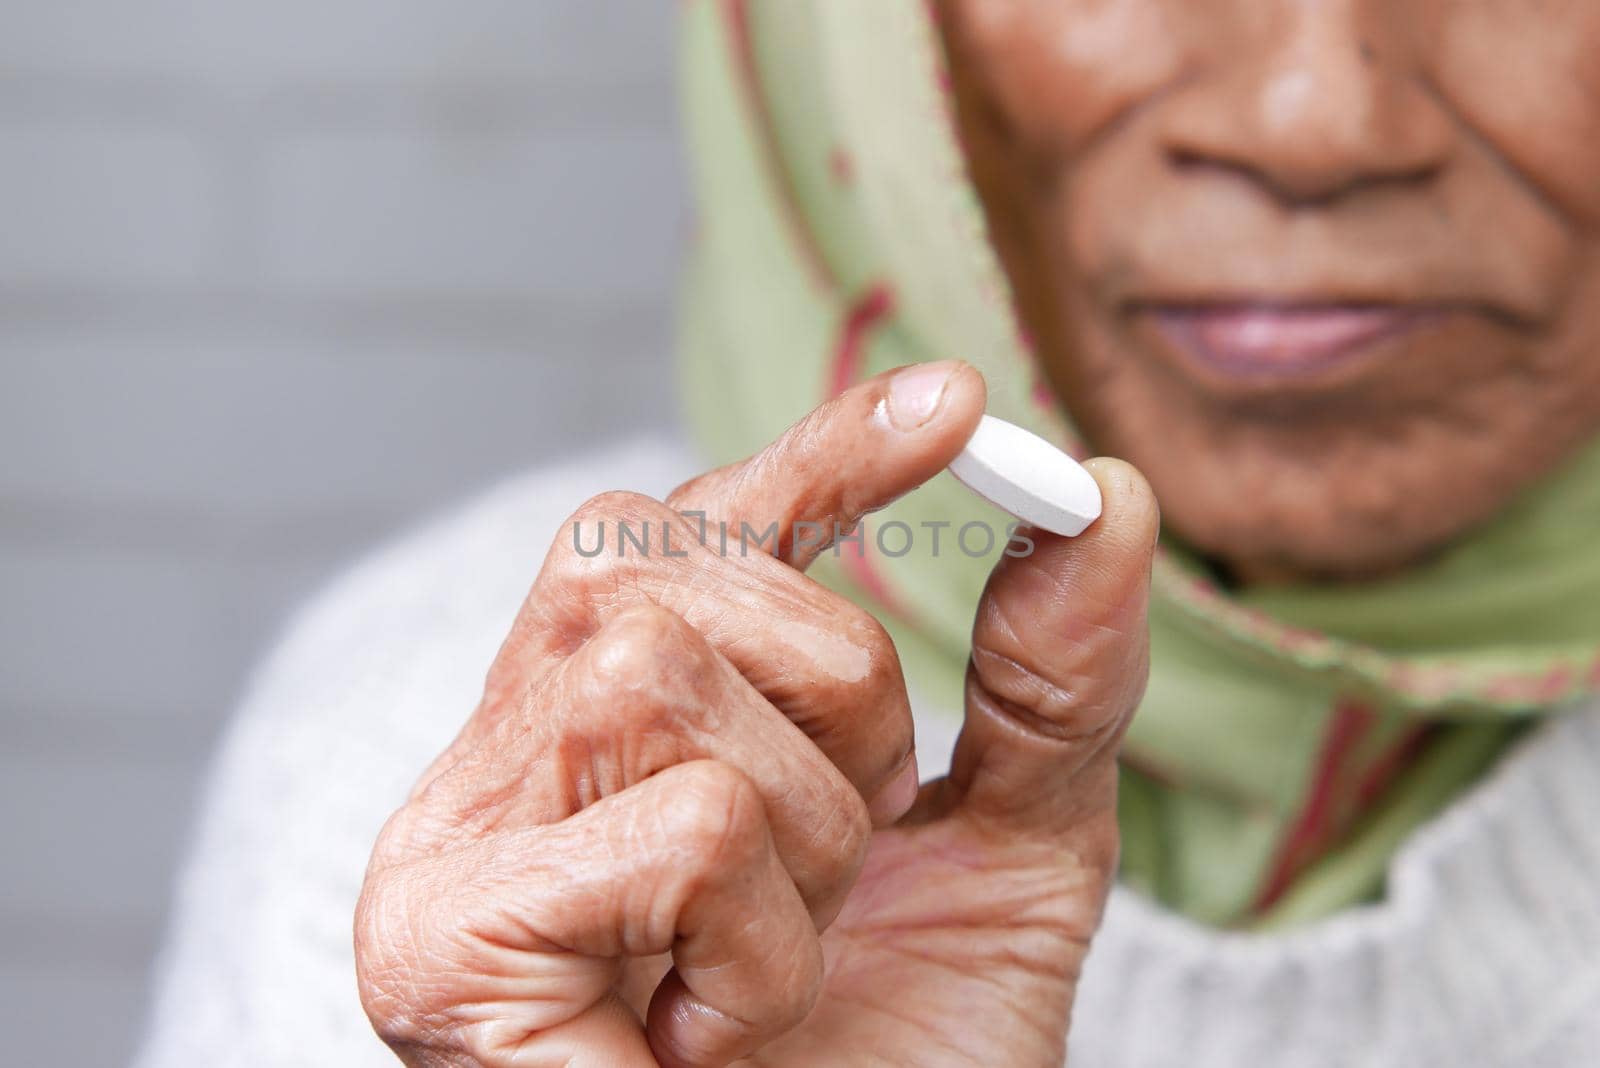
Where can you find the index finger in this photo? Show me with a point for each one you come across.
(850, 456)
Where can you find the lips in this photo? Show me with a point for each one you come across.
(1275, 340)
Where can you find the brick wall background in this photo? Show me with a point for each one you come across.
(275, 277)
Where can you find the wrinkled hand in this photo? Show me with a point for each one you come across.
(683, 826)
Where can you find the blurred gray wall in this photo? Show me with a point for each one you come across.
(275, 277)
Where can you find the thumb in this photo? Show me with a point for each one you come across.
(1060, 656)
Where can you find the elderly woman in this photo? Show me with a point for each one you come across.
(1328, 274)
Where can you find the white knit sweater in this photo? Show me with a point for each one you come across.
(1485, 953)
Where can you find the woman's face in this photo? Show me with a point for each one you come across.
(1327, 270)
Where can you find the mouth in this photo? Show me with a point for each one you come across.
(1265, 340)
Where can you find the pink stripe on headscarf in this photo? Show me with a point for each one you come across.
(849, 359)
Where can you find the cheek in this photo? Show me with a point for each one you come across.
(1525, 75)
(1058, 71)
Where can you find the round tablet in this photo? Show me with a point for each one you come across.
(1027, 476)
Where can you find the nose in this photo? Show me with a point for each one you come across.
(1327, 104)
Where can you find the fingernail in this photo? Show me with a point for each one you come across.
(915, 392)
(896, 799)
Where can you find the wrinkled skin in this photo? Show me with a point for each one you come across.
(683, 826)
(1435, 157)
(712, 757)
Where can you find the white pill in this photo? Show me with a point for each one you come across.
(1027, 476)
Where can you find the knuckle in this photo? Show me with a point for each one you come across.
(653, 655)
(1082, 724)
(406, 832)
(389, 962)
(880, 685)
(615, 505)
(1086, 664)
(717, 817)
(639, 696)
(586, 547)
(884, 687)
(1018, 684)
(883, 660)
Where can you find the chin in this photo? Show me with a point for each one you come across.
(1308, 548)
(1305, 500)
(1265, 520)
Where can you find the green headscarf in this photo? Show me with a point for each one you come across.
(1290, 737)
